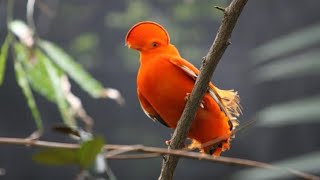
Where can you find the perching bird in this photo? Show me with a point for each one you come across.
(164, 83)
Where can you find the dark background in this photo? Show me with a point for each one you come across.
(192, 26)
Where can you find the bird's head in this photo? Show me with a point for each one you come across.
(147, 35)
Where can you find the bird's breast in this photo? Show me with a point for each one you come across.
(165, 87)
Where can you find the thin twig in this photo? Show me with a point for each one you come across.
(221, 42)
(135, 156)
(122, 151)
(220, 8)
(155, 151)
(30, 12)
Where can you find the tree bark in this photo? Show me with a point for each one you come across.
(210, 62)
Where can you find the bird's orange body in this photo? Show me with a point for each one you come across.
(164, 82)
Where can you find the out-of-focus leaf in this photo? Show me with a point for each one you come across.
(3, 57)
(185, 11)
(36, 72)
(85, 156)
(56, 156)
(41, 81)
(55, 80)
(22, 80)
(287, 44)
(85, 42)
(84, 48)
(292, 112)
(135, 11)
(24, 33)
(77, 73)
(306, 163)
(307, 63)
(89, 151)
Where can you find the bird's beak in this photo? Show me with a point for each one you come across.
(128, 45)
(132, 47)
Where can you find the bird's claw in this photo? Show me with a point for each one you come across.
(168, 142)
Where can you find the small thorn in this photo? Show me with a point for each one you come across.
(220, 8)
(164, 157)
(204, 59)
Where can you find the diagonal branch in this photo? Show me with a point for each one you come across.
(221, 42)
(115, 151)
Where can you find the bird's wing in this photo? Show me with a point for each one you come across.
(149, 111)
(228, 100)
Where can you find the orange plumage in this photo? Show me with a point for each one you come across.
(164, 82)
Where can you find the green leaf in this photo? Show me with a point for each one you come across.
(84, 156)
(89, 151)
(56, 156)
(22, 80)
(306, 163)
(3, 56)
(297, 66)
(287, 44)
(75, 70)
(36, 72)
(45, 78)
(289, 113)
(56, 81)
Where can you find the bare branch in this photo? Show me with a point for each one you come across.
(115, 151)
(135, 156)
(30, 12)
(221, 42)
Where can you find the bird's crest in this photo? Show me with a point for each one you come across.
(147, 30)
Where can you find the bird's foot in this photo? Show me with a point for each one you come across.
(184, 146)
(168, 142)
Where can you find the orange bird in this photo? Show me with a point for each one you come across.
(164, 83)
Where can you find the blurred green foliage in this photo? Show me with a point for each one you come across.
(21, 77)
(3, 57)
(307, 163)
(84, 156)
(44, 67)
(178, 18)
(40, 68)
(85, 49)
(73, 69)
(281, 59)
(295, 41)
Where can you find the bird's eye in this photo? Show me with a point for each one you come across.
(155, 44)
